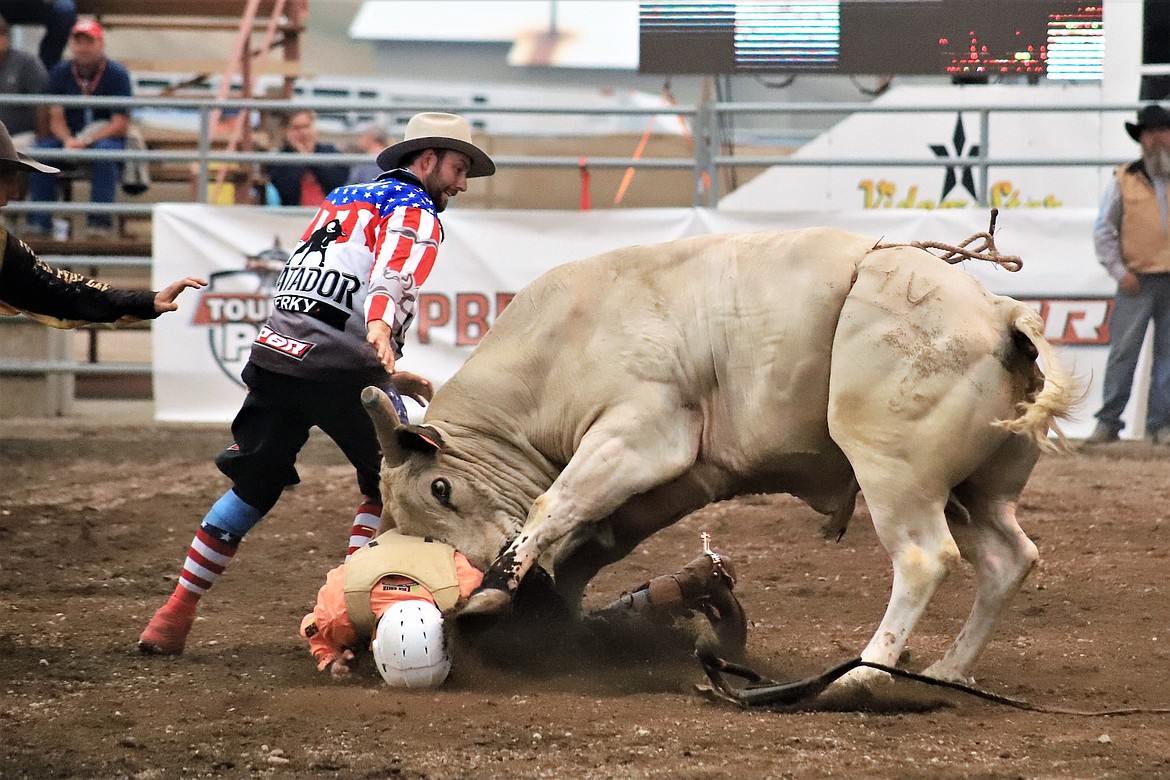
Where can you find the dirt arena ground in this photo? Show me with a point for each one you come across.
(95, 519)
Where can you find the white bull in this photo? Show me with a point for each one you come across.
(617, 394)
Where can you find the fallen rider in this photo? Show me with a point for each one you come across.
(392, 594)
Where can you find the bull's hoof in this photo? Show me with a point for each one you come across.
(484, 608)
(872, 690)
(948, 673)
(859, 689)
(488, 601)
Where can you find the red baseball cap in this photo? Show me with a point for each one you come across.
(88, 27)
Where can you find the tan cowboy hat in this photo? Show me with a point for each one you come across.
(433, 130)
(10, 158)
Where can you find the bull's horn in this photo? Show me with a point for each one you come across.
(386, 421)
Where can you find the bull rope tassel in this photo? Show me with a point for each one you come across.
(986, 250)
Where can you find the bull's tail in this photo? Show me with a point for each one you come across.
(1052, 398)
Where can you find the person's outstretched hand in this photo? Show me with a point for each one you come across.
(164, 300)
(413, 386)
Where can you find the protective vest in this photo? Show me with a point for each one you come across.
(427, 562)
(1145, 243)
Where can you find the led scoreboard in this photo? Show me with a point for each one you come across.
(1057, 39)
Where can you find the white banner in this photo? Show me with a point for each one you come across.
(1031, 125)
(489, 255)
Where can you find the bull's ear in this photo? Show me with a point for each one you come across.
(419, 438)
(386, 421)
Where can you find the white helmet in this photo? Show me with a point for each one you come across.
(409, 647)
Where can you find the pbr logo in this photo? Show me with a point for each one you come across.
(1078, 322)
(234, 306)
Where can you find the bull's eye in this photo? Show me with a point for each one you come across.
(441, 490)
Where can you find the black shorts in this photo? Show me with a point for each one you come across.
(274, 423)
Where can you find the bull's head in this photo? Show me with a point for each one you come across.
(428, 489)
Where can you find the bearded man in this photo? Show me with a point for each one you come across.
(1132, 239)
(340, 313)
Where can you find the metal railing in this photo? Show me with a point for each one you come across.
(706, 121)
(981, 161)
(204, 154)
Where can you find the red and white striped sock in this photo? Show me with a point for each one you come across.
(366, 523)
(211, 551)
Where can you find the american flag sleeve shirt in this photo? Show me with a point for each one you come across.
(362, 258)
(407, 244)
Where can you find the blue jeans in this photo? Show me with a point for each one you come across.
(103, 184)
(1127, 329)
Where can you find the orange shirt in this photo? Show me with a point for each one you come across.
(328, 627)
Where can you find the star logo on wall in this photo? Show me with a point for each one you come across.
(956, 170)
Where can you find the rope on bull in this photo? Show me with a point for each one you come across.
(986, 250)
(762, 692)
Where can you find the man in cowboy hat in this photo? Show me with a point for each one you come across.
(1132, 239)
(56, 297)
(340, 311)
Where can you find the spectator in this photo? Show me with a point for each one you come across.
(20, 74)
(89, 72)
(56, 16)
(372, 140)
(1131, 242)
(56, 297)
(298, 184)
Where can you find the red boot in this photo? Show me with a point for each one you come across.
(166, 634)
